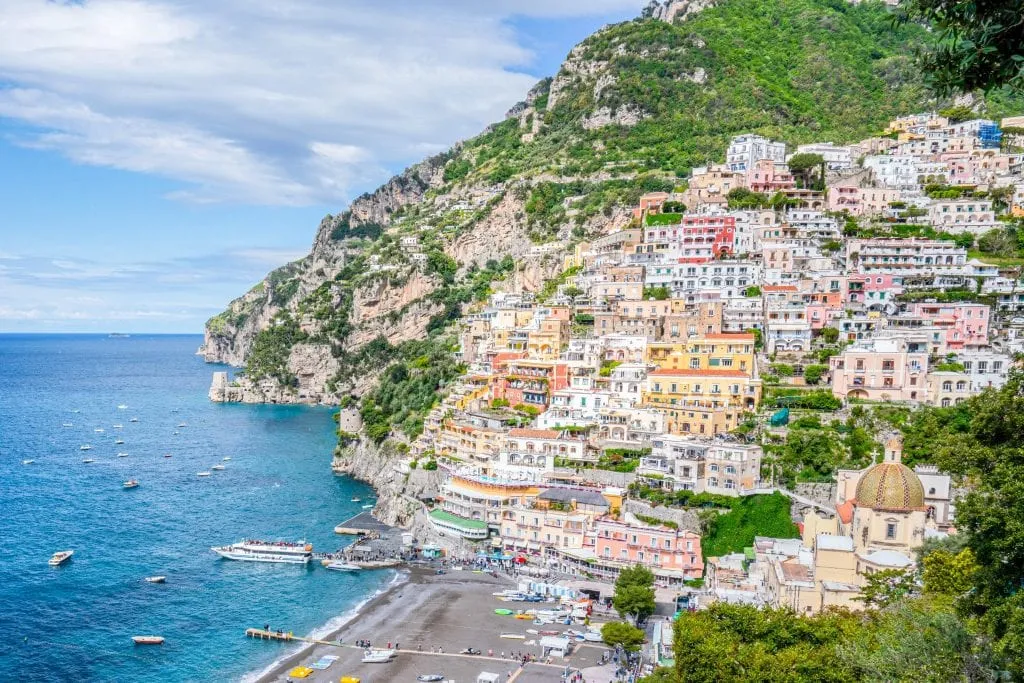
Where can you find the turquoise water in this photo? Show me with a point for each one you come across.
(75, 623)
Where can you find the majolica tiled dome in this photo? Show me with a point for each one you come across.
(890, 486)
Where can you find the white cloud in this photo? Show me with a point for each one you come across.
(262, 101)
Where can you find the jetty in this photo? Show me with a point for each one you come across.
(363, 524)
(263, 634)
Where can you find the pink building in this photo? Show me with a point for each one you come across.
(768, 177)
(861, 201)
(966, 324)
(653, 546)
(698, 238)
(880, 369)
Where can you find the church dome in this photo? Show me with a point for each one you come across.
(890, 486)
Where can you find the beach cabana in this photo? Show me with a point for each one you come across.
(556, 646)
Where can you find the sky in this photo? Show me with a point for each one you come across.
(159, 157)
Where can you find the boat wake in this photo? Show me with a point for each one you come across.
(331, 626)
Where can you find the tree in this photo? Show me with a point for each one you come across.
(801, 166)
(744, 643)
(634, 593)
(888, 586)
(620, 633)
(957, 114)
(946, 573)
(814, 373)
(980, 46)
(830, 335)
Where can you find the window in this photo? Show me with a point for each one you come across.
(890, 530)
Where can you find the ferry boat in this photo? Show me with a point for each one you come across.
(267, 551)
(61, 557)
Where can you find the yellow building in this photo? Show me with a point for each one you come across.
(708, 352)
(701, 401)
(469, 442)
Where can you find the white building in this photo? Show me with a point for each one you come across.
(746, 150)
(836, 158)
(962, 215)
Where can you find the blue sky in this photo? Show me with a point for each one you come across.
(158, 157)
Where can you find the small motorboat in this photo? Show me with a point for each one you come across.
(367, 507)
(118, 442)
(130, 484)
(513, 636)
(122, 455)
(430, 677)
(155, 579)
(99, 430)
(592, 637)
(202, 474)
(118, 426)
(122, 407)
(27, 462)
(357, 499)
(68, 424)
(182, 424)
(226, 458)
(85, 447)
(167, 455)
(88, 461)
(378, 656)
(503, 612)
(60, 557)
(148, 640)
(217, 467)
(339, 566)
(134, 419)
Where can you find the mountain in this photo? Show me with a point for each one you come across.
(633, 108)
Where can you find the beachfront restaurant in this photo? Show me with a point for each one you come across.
(584, 562)
(555, 646)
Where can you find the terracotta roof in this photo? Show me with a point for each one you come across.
(778, 288)
(534, 433)
(845, 511)
(793, 571)
(699, 373)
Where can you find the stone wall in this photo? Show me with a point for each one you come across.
(823, 494)
(600, 477)
(686, 519)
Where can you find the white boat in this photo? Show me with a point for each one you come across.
(98, 430)
(122, 407)
(226, 458)
(68, 424)
(85, 447)
(167, 455)
(267, 551)
(130, 484)
(61, 557)
(368, 507)
(122, 455)
(134, 419)
(155, 579)
(202, 474)
(357, 499)
(118, 442)
(339, 566)
(118, 426)
(148, 640)
(378, 656)
(182, 425)
(27, 462)
(88, 461)
(217, 467)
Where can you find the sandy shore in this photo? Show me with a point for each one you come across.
(426, 612)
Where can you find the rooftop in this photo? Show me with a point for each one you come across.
(442, 516)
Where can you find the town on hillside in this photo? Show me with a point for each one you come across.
(710, 391)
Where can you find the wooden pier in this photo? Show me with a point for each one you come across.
(271, 635)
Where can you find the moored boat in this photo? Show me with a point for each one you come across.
(134, 419)
(202, 474)
(280, 552)
(27, 462)
(155, 579)
(88, 461)
(85, 447)
(60, 557)
(339, 566)
(217, 467)
(130, 484)
(118, 442)
(378, 656)
(148, 640)
(226, 458)
(122, 455)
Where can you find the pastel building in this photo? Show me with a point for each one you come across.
(659, 547)
(880, 369)
(704, 402)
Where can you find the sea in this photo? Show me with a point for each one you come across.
(75, 622)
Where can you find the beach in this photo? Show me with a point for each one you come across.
(426, 612)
